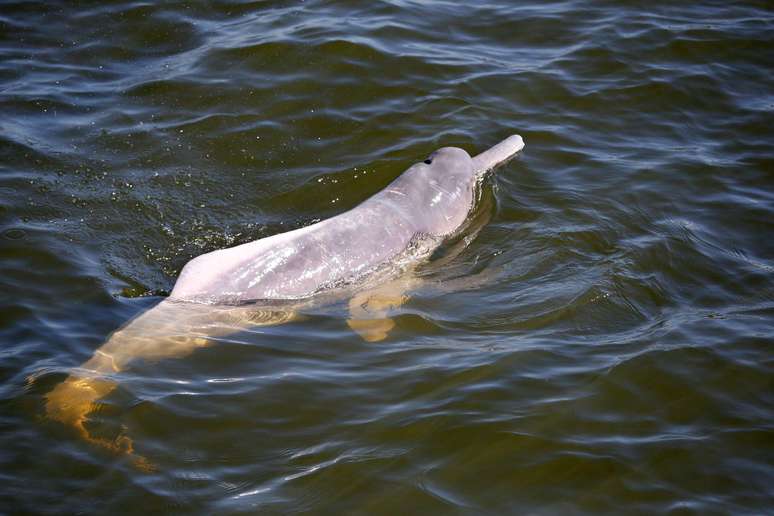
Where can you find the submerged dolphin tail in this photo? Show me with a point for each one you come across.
(498, 154)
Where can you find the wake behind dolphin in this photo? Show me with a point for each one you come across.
(365, 255)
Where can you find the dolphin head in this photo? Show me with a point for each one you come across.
(448, 177)
(453, 161)
(448, 168)
(446, 156)
(437, 193)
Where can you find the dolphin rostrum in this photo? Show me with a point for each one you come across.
(364, 254)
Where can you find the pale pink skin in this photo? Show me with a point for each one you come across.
(426, 200)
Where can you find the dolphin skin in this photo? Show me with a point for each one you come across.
(365, 254)
(431, 199)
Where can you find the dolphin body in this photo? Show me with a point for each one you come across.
(429, 201)
(364, 254)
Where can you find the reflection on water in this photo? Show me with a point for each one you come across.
(600, 346)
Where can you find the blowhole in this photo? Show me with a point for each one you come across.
(428, 161)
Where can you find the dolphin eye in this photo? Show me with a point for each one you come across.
(428, 161)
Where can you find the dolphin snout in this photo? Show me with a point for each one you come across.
(498, 154)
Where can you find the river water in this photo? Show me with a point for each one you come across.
(603, 345)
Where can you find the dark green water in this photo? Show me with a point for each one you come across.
(604, 345)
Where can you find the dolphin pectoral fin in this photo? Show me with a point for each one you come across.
(368, 311)
(371, 330)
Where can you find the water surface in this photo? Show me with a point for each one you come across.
(603, 346)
